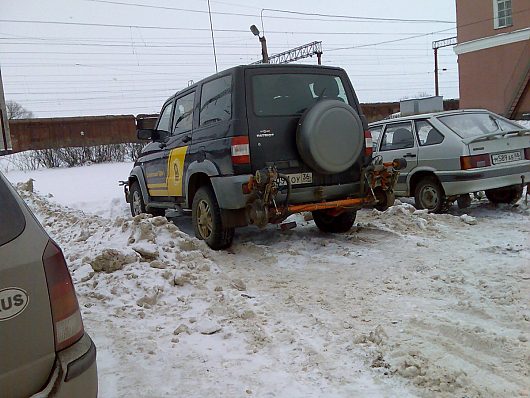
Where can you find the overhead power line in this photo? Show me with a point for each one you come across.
(107, 25)
(348, 18)
(358, 18)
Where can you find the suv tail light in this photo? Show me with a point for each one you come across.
(473, 162)
(368, 150)
(527, 153)
(240, 150)
(67, 322)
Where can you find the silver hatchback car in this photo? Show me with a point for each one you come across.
(452, 154)
(44, 350)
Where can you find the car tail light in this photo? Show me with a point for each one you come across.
(473, 162)
(240, 150)
(67, 322)
(527, 153)
(368, 150)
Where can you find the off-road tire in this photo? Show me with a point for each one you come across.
(509, 194)
(430, 195)
(207, 221)
(337, 224)
(137, 204)
(136, 200)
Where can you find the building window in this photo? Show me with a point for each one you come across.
(502, 13)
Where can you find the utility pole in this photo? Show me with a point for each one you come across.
(451, 41)
(5, 137)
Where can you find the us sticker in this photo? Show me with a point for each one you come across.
(13, 301)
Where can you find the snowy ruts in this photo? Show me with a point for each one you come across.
(406, 304)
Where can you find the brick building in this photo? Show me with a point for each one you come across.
(494, 55)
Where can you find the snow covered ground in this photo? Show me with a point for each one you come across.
(406, 304)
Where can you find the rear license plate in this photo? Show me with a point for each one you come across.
(506, 157)
(299, 178)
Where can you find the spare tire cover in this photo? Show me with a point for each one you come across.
(330, 136)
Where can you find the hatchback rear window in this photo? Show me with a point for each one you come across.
(12, 221)
(468, 125)
(289, 94)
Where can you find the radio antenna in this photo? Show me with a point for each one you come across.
(213, 40)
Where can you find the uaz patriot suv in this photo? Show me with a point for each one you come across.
(256, 143)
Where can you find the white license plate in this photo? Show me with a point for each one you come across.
(299, 178)
(506, 157)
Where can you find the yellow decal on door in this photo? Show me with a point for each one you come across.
(175, 171)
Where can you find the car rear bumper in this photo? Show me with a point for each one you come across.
(74, 373)
(462, 182)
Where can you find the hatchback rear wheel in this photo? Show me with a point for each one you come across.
(430, 195)
(509, 194)
(207, 221)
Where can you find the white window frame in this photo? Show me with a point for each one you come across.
(496, 19)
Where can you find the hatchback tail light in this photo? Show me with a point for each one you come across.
(67, 322)
(527, 153)
(475, 161)
(368, 150)
(240, 150)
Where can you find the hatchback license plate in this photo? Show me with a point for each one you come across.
(299, 178)
(506, 157)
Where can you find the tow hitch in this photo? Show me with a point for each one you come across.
(378, 182)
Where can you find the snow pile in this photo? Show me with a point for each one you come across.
(406, 304)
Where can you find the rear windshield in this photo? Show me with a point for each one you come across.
(12, 221)
(468, 125)
(289, 94)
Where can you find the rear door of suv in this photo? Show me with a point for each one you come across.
(276, 99)
(26, 357)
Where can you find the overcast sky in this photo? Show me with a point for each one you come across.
(72, 69)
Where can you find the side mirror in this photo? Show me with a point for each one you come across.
(146, 134)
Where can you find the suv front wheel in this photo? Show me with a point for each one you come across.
(328, 223)
(207, 221)
(137, 202)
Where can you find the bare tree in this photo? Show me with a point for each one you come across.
(17, 111)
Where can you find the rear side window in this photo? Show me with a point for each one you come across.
(288, 94)
(12, 221)
(427, 134)
(216, 101)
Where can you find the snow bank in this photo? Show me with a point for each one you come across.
(406, 304)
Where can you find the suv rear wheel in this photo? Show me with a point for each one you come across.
(328, 223)
(207, 221)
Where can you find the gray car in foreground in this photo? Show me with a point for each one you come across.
(452, 154)
(44, 350)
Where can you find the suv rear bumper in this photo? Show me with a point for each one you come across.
(74, 373)
(230, 196)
